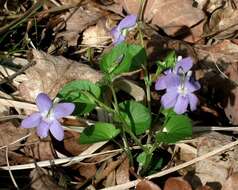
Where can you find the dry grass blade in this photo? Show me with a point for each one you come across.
(9, 170)
(23, 18)
(176, 168)
(71, 160)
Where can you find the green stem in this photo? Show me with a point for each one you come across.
(127, 129)
(98, 102)
(125, 142)
(141, 35)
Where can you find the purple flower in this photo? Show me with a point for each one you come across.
(119, 32)
(179, 87)
(47, 118)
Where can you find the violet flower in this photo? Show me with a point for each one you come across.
(119, 32)
(180, 87)
(47, 118)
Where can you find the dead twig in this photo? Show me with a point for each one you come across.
(9, 170)
(173, 169)
(20, 71)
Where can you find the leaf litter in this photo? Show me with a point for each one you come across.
(48, 44)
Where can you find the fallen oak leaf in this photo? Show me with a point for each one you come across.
(50, 73)
(231, 183)
(9, 133)
(173, 19)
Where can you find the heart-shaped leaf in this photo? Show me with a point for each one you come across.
(75, 92)
(136, 115)
(98, 132)
(177, 127)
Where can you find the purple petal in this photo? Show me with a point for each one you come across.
(193, 101)
(43, 129)
(172, 80)
(168, 71)
(31, 121)
(120, 39)
(43, 102)
(192, 86)
(161, 83)
(181, 104)
(128, 22)
(115, 33)
(63, 109)
(167, 81)
(169, 99)
(186, 64)
(57, 130)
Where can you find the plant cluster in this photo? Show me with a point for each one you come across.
(131, 120)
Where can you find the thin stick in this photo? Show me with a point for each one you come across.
(173, 169)
(20, 71)
(9, 117)
(47, 163)
(16, 141)
(9, 170)
(17, 104)
(214, 128)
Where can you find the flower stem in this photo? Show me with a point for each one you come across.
(98, 102)
(125, 142)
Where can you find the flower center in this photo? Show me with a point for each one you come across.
(182, 90)
(48, 116)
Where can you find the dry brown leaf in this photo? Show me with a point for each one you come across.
(50, 73)
(225, 56)
(96, 35)
(71, 145)
(110, 179)
(13, 158)
(209, 5)
(9, 133)
(122, 172)
(39, 150)
(216, 168)
(173, 19)
(85, 16)
(69, 2)
(42, 181)
(88, 14)
(88, 170)
(148, 185)
(223, 23)
(231, 183)
(205, 187)
(106, 170)
(177, 183)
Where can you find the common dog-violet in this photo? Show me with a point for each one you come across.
(179, 87)
(119, 32)
(47, 118)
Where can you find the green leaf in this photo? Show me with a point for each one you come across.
(156, 165)
(178, 127)
(123, 58)
(136, 115)
(167, 112)
(97, 133)
(141, 158)
(168, 63)
(75, 92)
(170, 60)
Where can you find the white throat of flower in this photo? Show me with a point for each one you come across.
(126, 30)
(48, 115)
(182, 89)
